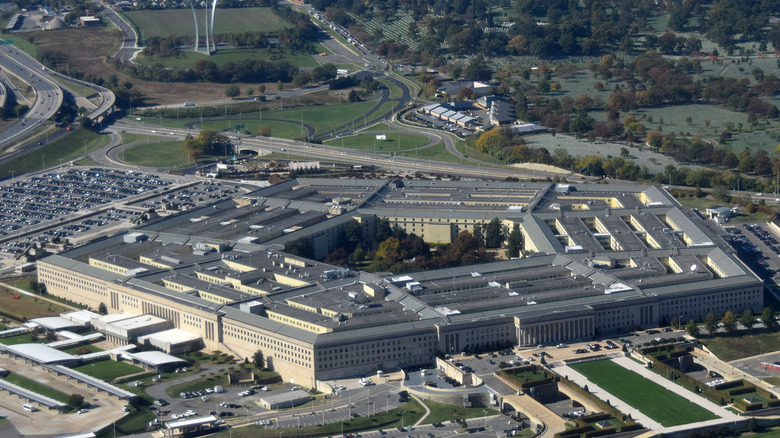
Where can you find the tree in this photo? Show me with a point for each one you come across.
(35, 333)
(102, 309)
(729, 321)
(232, 91)
(75, 401)
(324, 72)
(479, 235)
(301, 247)
(692, 328)
(710, 324)
(354, 96)
(768, 317)
(264, 131)
(515, 241)
(747, 319)
(207, 142)
(258, 360)
(493, 235)
(250, 92)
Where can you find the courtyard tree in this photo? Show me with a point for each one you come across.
(258, 360)
(747, 319)
(710, 323)
(493, 234)
(692, 328)
(75, 401)
(768, 317)
(729, 321)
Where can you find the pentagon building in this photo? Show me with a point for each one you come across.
(596, 259)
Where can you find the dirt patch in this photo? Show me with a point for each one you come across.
(87, 51)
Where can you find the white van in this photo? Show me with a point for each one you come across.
(29, 408)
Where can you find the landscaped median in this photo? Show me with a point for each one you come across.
(412, 412)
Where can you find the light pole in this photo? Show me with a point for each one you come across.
(402, 419)
(387, 403)
(85, 148)
(43, 160)
(484, 417)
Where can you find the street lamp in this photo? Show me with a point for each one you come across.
(484, 417)
(402, 419)
(43, 160)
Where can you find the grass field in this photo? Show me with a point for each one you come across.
(160, 154)
(37, 387)
(178, 22)
(433, 153)
(441, 412)
(187, 59)
(395, 92)
(26, 306)
(108, 370)
(65, 148)
(368, 142)
(729, 348)
(22, 339)
(656, 402)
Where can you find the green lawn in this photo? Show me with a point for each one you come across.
(656, 402)
(441, 412)
(281, 129)
(22, 339)
(368, 142)
(323, 118)
(178, 22)
(37, 387)
(161, 154)
(108, 370)
(395, 91)
(729, 348)
(384, 420)
(65, 148)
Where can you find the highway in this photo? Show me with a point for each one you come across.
(129, 47)
(48, 93)
(314, 151)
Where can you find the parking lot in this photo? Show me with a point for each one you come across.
(70, 205)
(758, 247)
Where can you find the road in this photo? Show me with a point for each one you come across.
(48, 93)
(129, 48)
